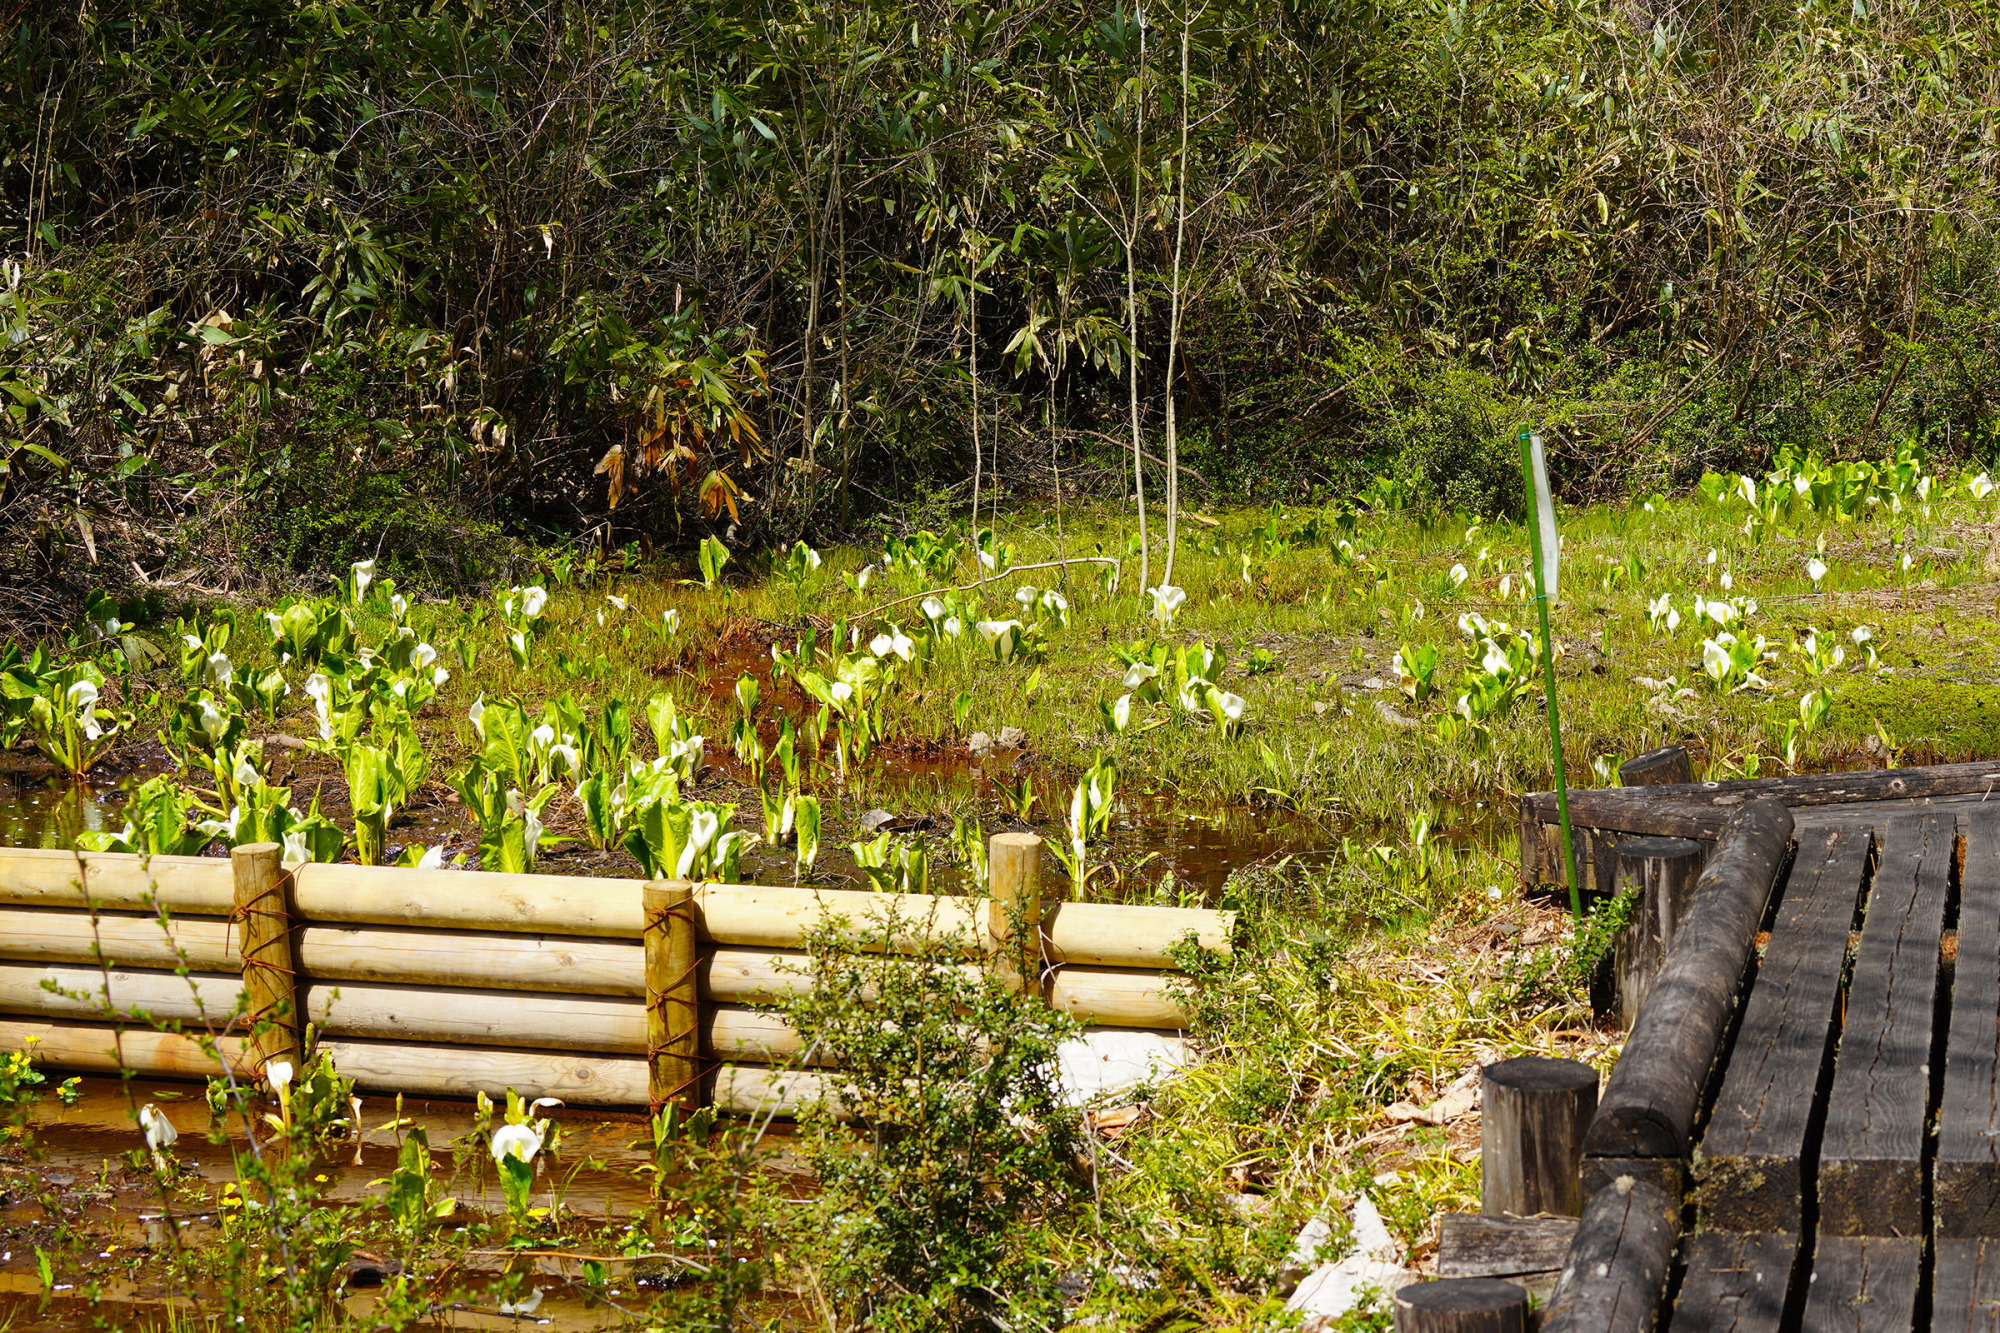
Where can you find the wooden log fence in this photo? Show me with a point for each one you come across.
(445, 983)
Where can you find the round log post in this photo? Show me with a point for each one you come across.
(1014, 916)
(270, 971)
(1462, 1305)
(673, 1002)
(1657, 768)
(1660, 874)
(1531, 1130)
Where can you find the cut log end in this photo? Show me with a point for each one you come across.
(1462, 1305)
(1531, 1136)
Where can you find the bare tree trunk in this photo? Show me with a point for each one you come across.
(1174, 317)
(1132, 316)
(978, 454)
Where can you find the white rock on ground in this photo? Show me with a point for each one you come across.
(1372, 1267)
(1107, 1061)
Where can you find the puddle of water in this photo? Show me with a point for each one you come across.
(39, 808)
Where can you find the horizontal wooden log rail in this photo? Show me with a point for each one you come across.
(614, 1025)
(416, 1069)
(1700, 809)
(1110, 997)
(1874, 784)
(448, 982)
(758, 915)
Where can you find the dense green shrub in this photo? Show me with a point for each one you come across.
(928, 1216)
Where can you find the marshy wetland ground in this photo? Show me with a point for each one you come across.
(1326, 728)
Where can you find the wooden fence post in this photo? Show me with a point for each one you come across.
(673, 1001)
(1462, 1305)
(1660, 873)
(1531, 1130)
(1014, 916)
(270, 972)
(1657, 768)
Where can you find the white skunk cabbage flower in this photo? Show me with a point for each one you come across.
(1167, 599)
(159, 1131)
(702, 828)
(519, 1141)
(1715, 659)
(893, 643)
(1002, 636)
(82, 696)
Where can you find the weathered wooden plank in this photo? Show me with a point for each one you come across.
(1863, 1285)
(1965, 1286)
(1735, 1282)
(1747, 1169)
(1470, 1245)
(1631, 810)
(1596, 853)
(1876, 784)
(1871, 1178)
(1649, 1104)
(1668, 1175)
(1616, 1272)
(1967, 1172)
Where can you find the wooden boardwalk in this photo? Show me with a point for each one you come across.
(1812, 1084)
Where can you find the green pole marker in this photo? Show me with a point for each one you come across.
(1542, 541)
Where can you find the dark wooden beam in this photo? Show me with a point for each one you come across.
(1871, 1168)
(1616, 1272)
(1591, 806)
(1649, 1103)
(1968, 1151)
(1750, 1174)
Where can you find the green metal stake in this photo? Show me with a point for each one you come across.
(1534, 481)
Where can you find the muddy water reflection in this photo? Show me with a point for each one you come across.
(39, 808)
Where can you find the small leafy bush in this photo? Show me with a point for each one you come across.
(960, 1146)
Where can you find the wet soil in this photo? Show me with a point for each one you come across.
(1158, 847)
(105, 1224)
